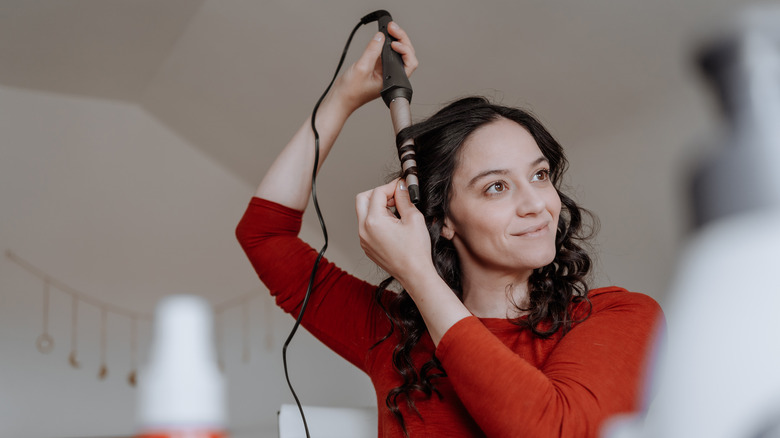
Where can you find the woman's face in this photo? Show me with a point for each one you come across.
(504, 208)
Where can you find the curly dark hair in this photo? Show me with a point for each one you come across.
(553, 289)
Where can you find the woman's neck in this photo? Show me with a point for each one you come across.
(488, 295)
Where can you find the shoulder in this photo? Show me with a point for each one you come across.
(621, 315)
(614, 299)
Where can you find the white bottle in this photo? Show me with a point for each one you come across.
(181, 390)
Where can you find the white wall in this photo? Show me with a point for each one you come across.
(636, 179)
(105, 199)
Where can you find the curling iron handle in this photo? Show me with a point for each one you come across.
(395, 83)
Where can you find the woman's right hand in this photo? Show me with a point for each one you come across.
(362, 81)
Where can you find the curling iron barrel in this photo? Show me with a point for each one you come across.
(397, 95)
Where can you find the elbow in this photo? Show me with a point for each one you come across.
(244, 234)
(241, 234)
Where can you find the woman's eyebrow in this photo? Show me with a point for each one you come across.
(485, 173)
(480, 175)
(540, 160)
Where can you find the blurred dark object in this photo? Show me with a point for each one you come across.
(742, 66)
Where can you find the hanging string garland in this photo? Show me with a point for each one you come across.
(131, 378)
(245, 330)
(45, 342)
(103, 373)
(74, 332)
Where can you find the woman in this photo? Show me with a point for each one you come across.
(495, 332)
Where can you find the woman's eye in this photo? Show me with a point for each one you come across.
(496, 187)
(541, 175)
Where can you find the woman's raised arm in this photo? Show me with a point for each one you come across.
(288, 181)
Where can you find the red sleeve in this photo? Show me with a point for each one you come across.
(340, 311)
(595, 371)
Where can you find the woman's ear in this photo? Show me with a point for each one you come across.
(447, 230)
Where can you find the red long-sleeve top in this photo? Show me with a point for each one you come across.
(501, 381)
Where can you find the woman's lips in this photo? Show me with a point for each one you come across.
(534, 230)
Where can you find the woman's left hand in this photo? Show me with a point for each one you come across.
(401, 247)
(362, 81)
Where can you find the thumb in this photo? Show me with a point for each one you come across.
(372, 52)
(402, 202)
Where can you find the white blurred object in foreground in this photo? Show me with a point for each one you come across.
(181, 391)
(719, 374)
(719, 371)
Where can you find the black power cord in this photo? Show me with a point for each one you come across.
(365, 20)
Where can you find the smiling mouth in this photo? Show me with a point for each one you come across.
(532, 231)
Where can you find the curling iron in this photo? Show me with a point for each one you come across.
(397, 95)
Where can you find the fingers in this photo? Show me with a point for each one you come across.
(399, 34)
(370, 60)
(386, 239)
(381, 198)
(371, 54)
(375, 200)
(404, 47)
(402, 202)
(361, 206)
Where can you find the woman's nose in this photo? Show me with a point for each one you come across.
(529, 201)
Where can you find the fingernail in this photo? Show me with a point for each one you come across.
(392, 25)
(378, 36)
(402, 186)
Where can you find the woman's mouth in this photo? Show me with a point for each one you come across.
(534, 230)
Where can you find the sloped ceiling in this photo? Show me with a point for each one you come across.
(236, 77)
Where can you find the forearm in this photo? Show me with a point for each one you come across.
(438, 304)
(593, 372)
(288, 180)
(506, 395)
